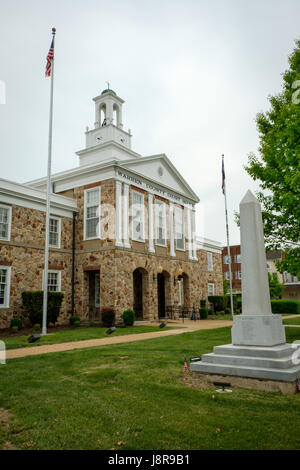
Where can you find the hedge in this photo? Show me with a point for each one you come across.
(285, 306)
(219, 301)
(33, 305)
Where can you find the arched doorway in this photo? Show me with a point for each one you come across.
(163, 293)
(140, 293)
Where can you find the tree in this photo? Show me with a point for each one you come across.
(225, 286)
(278, 168)
(276, 288)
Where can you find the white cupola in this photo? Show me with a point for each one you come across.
(108, 140)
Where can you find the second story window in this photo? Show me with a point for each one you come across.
(210, 266)
(160, 209)
(226, 275)
(5, 222)
(54, 232)
(225, 259)
(92, 213)
(138, 217)
(179, 226)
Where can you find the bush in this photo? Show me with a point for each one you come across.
(285, 306)
(33, 304)
(73, 319)
(203, 303)
(92, 323)
(210, 311)
(16, 321)
(203, 313)
(108, 316)
(14, 328)
(219, 301)
(128, 317)
(227, 311)
(220, 312)
(76, 323)
(36, 327)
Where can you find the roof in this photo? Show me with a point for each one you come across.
(108, 90)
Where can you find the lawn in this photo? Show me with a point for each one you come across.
(292, 321)
(132, 396)
(75, 334)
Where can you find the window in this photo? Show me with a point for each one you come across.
(225, 258)
(54, 281)
(237, 259)
(138, 217)
(54, 232)
(5, 222)
(211, 289)
(160, 210)
(226, 275)
(209, 261)
(179, 228)
(4, 286)
(92, 213)
(238, 275)
(97, 290)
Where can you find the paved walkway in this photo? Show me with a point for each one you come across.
(187, 327)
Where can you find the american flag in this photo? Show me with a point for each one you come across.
(50, 57)
(185, 367)
(223, 177)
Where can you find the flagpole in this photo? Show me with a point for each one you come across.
(228, 245)
(45, 280)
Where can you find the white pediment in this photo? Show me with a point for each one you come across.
(159, 169)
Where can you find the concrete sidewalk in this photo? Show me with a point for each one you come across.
(186, 327)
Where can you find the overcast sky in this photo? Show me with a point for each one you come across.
(193, 74)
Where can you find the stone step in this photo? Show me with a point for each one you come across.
(275, 352)
(287, 375)
(265, 362)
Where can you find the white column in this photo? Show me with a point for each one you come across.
(189, 223)
(119, 241)
(126, 216)
(150, 223)
(194, 234)
(172, 247)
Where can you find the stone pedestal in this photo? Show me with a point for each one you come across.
(258, 330)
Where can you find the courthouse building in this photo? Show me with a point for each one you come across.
(122, 232)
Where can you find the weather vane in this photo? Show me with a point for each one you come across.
(107, 84)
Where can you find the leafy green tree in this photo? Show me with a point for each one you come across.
(276, 288)
(278, 168)
(225, 286)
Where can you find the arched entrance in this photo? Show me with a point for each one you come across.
(163, 293)
(140, 293)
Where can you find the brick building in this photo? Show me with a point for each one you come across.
(122, 232)
(292, 283)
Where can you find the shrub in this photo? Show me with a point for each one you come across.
(227, 311)
(16, 321)
(219, 301)
(33, 304)
(128, 317)
(285, 306)
(92, 323)
(108, 316)
(203, 303)
(14, 328)
(203, 313)
(36, 327)
(220, 312)
(76, 323)
(73, 319)
(210, 311)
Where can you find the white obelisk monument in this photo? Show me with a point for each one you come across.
(257, 326)
(258, 349)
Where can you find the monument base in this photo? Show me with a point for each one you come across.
(258, 330)
(279, 363)
(205, 381)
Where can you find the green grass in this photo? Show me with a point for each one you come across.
(75, 334)
(292, 321)
(130, 396)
